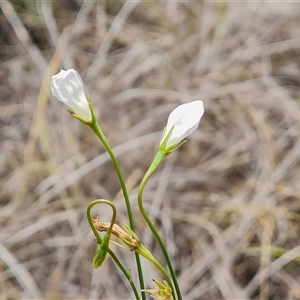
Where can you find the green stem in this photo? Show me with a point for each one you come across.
(90, 220)
(142, 250)
(99, 241)
(157, 160)
(126, 274)
(96, 128)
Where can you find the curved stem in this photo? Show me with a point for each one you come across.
(157, 160)
(99, 240)
(90, 219)
(96, 128)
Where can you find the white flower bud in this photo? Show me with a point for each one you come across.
(182, 122)
(67, 87)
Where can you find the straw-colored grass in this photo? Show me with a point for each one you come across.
(227, 202)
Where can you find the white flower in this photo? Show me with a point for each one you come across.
(182, 122)
(67, 87)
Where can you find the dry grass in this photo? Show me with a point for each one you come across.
(232, 187)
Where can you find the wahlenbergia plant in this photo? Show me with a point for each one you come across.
(67, 86)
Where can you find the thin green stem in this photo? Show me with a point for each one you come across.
(90, 219)
(126, 274)
(99, 241)
(96, 128)
(158, 158)
(142, 250)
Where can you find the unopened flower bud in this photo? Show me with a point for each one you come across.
(101, 252)
(67, 86)
(182, 122)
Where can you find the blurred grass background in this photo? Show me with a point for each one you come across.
(227, 202)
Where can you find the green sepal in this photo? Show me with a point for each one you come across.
(101, 251)
(135, 241)
(163, 143)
